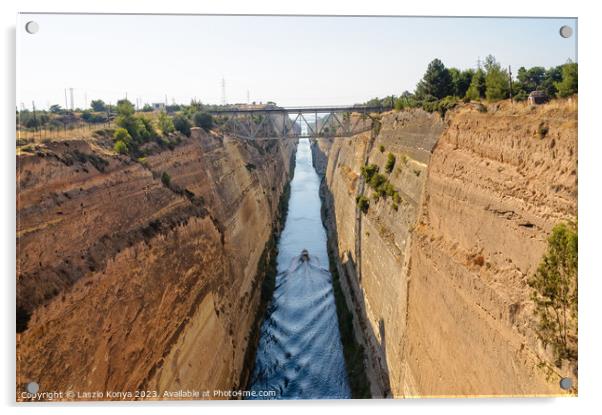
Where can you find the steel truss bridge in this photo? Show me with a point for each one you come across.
(273, 122)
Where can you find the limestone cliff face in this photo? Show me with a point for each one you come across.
(143, 274)
(439, 285)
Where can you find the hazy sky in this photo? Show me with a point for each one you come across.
(289, 60)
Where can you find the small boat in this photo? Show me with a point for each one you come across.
(304, 255)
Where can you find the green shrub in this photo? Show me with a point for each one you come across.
(166, 179)
(122, 134)
(381, 148)
(140, 129)
(521, 96)
(123, 141)
(362, 203)
(203, 120)
(166, 124)
(441, 106)
(120, 147)
(377, 180)
(555, 293)
(182, 124)
(146, 129)
(390, 164)
(368, 171)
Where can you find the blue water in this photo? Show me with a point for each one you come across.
(300, 355)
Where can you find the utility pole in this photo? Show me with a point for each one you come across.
(510, 81)
(223, 91)
(109, 113)
(66, 106)
(33, 105)
(85, 100)
(248, 97)
(71, 96)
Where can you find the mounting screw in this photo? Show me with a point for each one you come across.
(32, 387)
(32, 27)
(566, 383)
(566, 31)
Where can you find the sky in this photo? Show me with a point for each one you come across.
(292, 60)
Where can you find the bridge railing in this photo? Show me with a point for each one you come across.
(304, 109)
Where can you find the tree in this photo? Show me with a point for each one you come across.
(203, 120)
(165, 123)
(182, 124)
(568, 85)
(146, 129)
(496, 80)
(460, 81)
(406, 100)
(55, 109)
(530, 80)
(125, 108)
(98, 105)
(140, 128)
(147, 108)
(87, 116)
(477, 87)
(555, 293)
(436, 82)
(552, 76)
(123, 141)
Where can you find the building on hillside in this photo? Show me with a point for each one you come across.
(158, 106)
(537, 98)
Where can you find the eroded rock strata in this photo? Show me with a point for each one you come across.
(135, 275)
(438, 281)
(148, 274)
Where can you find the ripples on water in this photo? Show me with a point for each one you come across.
(300, 355)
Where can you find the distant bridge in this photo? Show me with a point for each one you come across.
(272, 122)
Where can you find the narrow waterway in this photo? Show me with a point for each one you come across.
(300, 355)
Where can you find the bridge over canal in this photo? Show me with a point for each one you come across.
(272, 122)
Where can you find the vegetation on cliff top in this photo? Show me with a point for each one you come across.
(143, 125)
(555, 294)
(441, 88)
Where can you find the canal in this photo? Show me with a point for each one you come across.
(300, 355)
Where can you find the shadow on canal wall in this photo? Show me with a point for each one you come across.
(368, 372)
(266, 273)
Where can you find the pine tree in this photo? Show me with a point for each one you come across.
(436, 82)
(555, 293)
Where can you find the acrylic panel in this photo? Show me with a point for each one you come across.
(295, 207)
